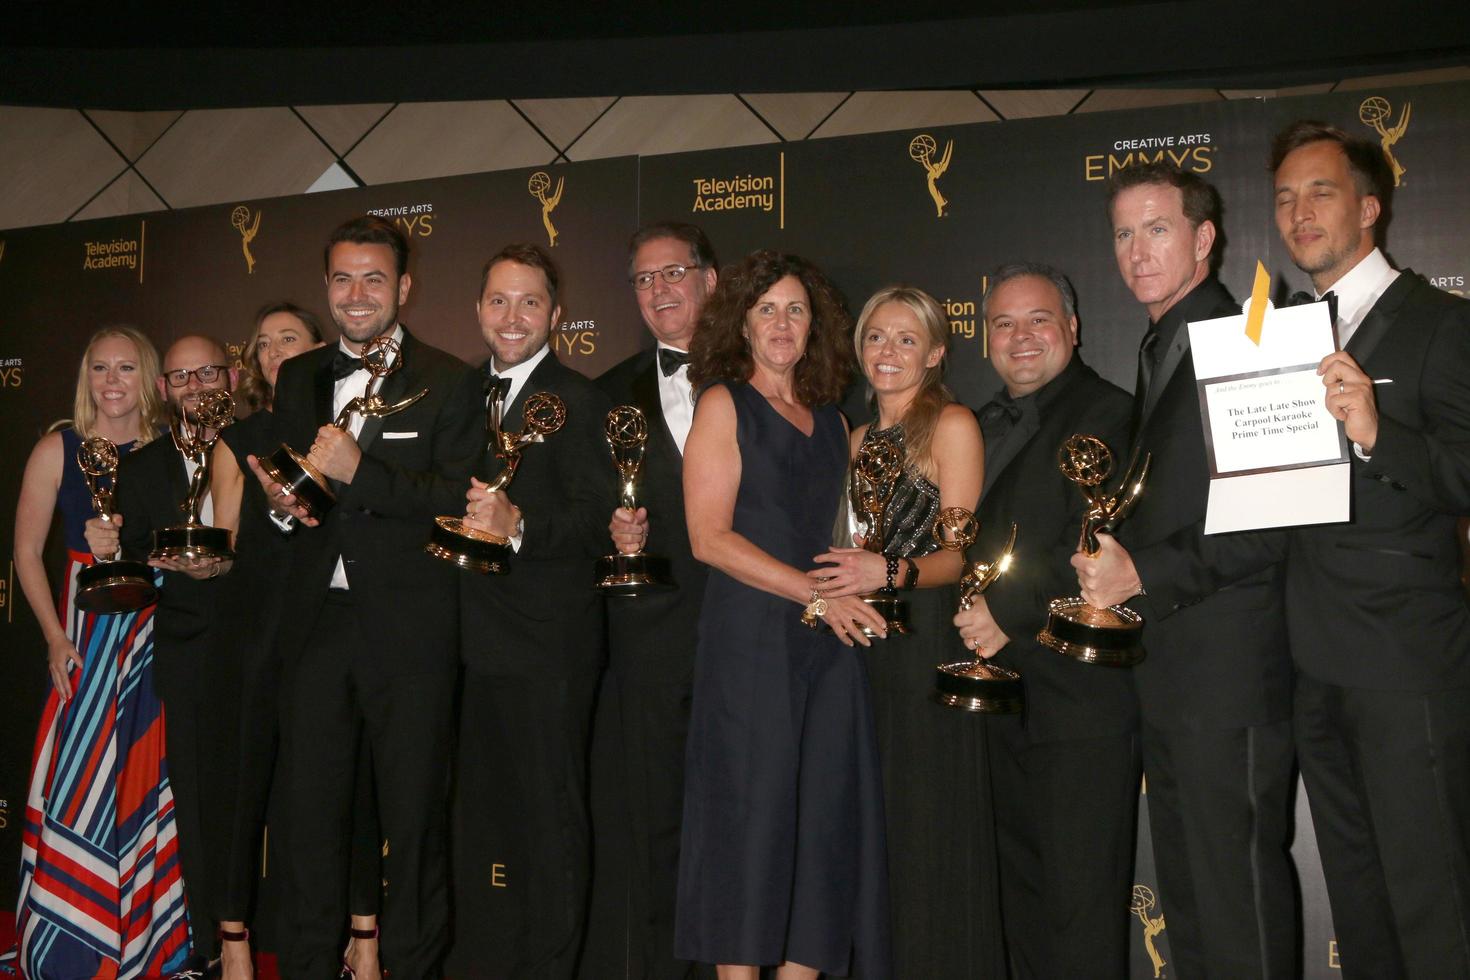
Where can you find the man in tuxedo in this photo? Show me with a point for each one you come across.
(1065, 774)
(152, 483)
(1215, 688)
(533, 647)
(651, 637)
(371, 629)
(1380, 630)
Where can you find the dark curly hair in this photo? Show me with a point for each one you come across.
(720, 352)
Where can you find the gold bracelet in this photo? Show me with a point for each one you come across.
(815, 609)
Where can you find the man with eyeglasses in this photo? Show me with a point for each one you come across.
(651, 638)
(152, 482)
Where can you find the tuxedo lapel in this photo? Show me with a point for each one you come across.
(1165, 373)
(323, 386)
(1380, 318)
(1011, 445)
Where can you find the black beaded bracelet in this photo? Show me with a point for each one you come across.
(892, 562)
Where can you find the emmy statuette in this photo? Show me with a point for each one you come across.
(1110, 636)
(479, 551)
(194, 435)
(640, 572)
(297, 474)
(975, 685)
(109, 585)
(874, 479)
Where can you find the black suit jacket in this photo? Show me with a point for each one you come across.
(1065, 698)
(152, 483)
(1214, 631)
(665, 621)
(1377, 603)
(546, 603)
(415, 465)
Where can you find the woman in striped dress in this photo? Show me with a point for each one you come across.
(100, 890)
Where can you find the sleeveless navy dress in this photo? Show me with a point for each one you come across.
(782, 854)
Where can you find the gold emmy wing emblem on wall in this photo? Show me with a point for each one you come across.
(1144, 902)
(921, 150)
(1374, 112)
(240, 219)
(537, 186)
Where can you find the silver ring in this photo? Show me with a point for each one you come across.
(1341, 388)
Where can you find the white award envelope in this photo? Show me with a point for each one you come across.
(1277, 457)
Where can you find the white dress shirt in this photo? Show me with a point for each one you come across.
(1359, 290)
(1357, 293)
(676, 396)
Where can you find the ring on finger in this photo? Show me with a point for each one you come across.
(1341, 388)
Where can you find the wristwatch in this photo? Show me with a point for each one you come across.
(911, 576)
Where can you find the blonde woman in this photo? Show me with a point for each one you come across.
(936, 796)
(99, 798)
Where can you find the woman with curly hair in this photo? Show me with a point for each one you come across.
(782, 860)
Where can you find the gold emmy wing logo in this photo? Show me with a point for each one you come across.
(1144, 902)
(239, 218)
(1374, 112)
(537, 186)
(921, 150)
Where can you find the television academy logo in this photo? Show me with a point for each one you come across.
(239, 220)
(537, 186)
(921, 150)
(1374, 111)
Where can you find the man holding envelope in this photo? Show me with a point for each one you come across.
(1379, 625)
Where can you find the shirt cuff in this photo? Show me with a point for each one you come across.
(515, 542)
(285, 522)
(1358, 452)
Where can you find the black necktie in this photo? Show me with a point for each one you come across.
(1146, 363)
(344, 364)
(670, 360)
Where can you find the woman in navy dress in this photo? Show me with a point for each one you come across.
(782, 860)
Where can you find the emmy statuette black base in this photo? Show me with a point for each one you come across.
(191, 541)
(1111, 637)
(452, 540)
(633, 575)
(895, 612)
(115, 586)
(974, 685)
(302, 480)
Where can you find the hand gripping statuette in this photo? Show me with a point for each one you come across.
(975, 685)
(110, 585)
(195, 432)
(871, 485)
(297, 474)
(1108, 636)
(480, 551)
(640, 572)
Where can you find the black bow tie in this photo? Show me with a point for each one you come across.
(495, 386)
(1300, 298)
(344, 365)
(1002, 405)
(670, 360)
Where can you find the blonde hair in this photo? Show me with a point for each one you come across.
(150, 405)
(922, 416)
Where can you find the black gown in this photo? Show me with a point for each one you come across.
(782, 854)
(936, 779)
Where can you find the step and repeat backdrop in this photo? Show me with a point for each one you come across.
(938, 208)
